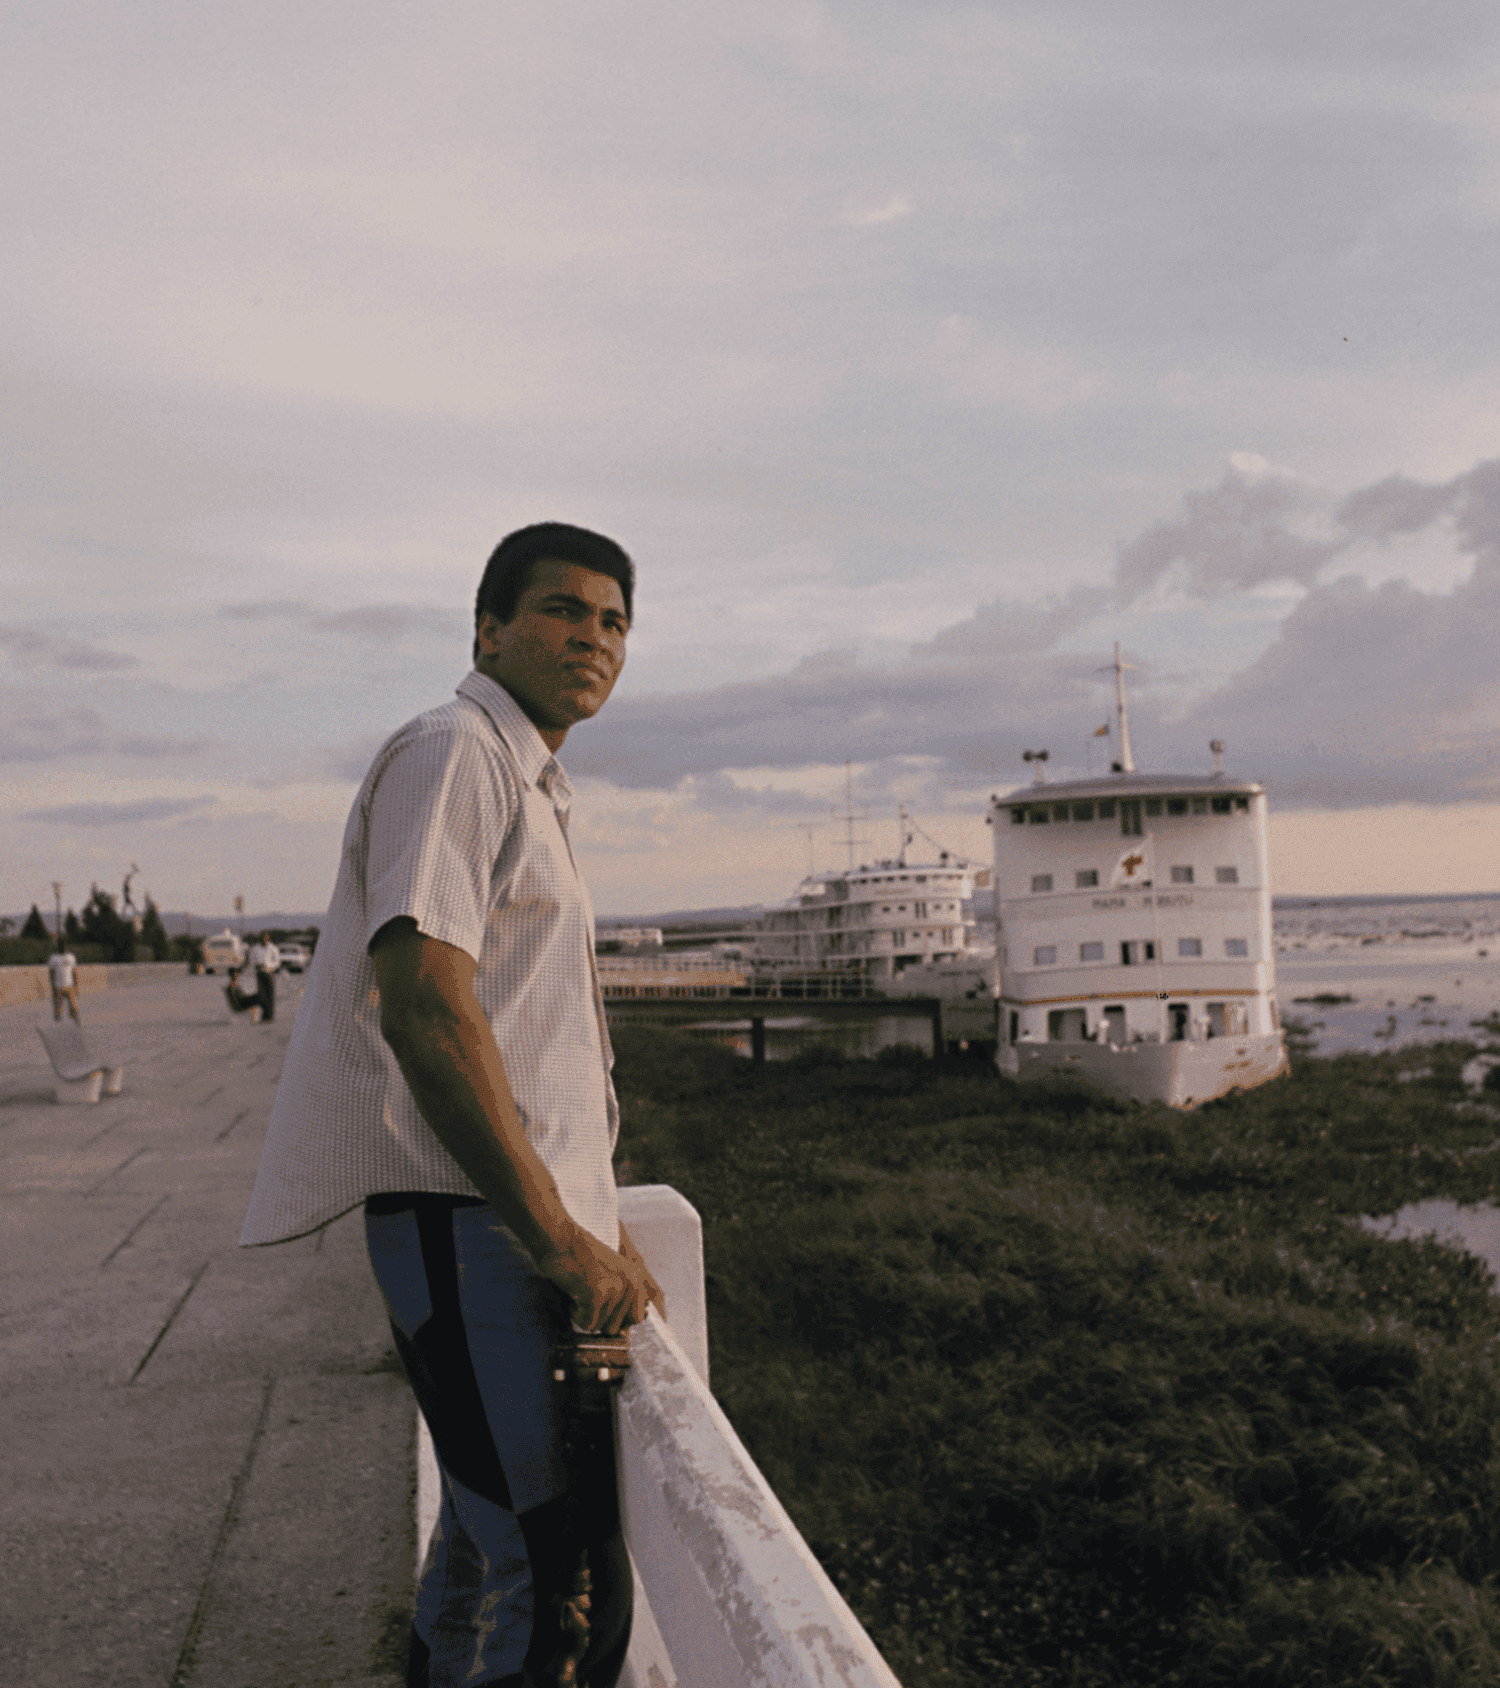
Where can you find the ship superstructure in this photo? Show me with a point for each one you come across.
(869, 923)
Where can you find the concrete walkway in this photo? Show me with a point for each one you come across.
(207, 1451)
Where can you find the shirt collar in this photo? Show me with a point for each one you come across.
(537, 764)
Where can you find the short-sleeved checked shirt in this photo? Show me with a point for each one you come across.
(461, 824)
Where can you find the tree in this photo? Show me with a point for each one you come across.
(35, 926)
(72, 931)
(153, 933)
(101, 925)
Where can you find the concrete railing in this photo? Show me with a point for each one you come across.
(31, 984)
(728, 1595)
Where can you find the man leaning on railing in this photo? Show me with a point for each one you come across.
(450, 1068)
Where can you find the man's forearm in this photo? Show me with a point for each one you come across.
(457, 1079)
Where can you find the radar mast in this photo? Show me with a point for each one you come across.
(1127, 761)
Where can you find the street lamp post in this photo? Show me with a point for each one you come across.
(57, 922)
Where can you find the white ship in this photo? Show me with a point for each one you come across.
(1133, 936)
(859, 931)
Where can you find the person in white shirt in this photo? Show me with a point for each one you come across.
(62, 968)
(263, 960)
(450, 1068)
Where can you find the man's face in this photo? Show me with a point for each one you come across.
(561, 653)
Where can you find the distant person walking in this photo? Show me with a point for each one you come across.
(450, 1069)
(62, 971)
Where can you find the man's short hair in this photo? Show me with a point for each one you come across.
(508, 572)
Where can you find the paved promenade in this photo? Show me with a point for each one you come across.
(207, 1450)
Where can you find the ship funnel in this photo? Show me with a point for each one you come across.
(1217, 746)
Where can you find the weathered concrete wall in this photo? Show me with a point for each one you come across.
(29, 984)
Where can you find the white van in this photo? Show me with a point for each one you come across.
(223, 950)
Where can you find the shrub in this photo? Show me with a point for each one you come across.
(1062, 1390)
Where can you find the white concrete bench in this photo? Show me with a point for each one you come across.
(80, 1076)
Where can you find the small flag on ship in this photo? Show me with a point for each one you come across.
(1102, 732)
(1133, 868)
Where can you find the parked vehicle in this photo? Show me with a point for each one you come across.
(223, 951)
(294, 957)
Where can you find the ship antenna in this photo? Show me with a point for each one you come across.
(849, 817)
(809, 827)
(1127, 762)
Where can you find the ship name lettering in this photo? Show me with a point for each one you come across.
(1109, 902)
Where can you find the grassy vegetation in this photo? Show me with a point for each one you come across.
(1068, 1391)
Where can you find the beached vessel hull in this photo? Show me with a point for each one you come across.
(1180, 1074)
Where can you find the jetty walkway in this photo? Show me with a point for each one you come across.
(207, 1450)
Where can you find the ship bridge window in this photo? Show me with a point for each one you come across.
(1040, 817)
(1177, 805)
(1222, 805)
(1182, 876)
(1130, 817)
(1153, 805)
(1107, 809)
(1085, 877)
(1060, 812)
(1041, 882)
(1190, 946)
(1226, 875)
(1018, 817)
(1236, 947)
(1091, 952)
(1200, 805)
(1044, 955)
(1242, 804)
(1083, 811)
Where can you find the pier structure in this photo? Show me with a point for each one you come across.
(214, 1452)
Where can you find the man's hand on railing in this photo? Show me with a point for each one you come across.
(653, 1289)
(608, 1290)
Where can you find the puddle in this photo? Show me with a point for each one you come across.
(1476, 1229)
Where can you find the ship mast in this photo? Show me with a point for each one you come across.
(1127, 761)
(849, 816)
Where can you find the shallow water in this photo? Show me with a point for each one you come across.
(1475, 1229)
(1401, 998)
(788, 1036)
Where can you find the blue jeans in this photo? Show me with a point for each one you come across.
(475, 1324)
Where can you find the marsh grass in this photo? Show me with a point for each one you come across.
(1062, 1390)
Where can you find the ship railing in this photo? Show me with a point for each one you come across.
(657, 979)
(818, 984)
(726, 1590)
(663, 964)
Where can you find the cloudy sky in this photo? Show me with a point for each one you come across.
(916, 351)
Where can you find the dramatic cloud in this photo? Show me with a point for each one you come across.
(83, 732)
(1364, 695)
(362, 621)
(269, 609)
(34, 649)
(119, 814)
